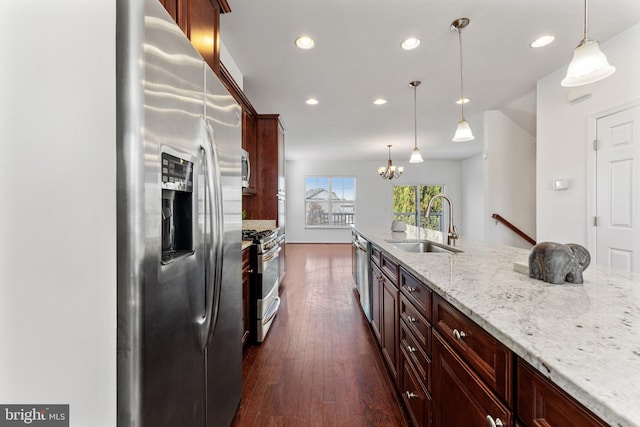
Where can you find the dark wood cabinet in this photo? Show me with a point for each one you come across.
(416, 398)
(487, 356)
(414, 306)
(460, 396)
(246, 285)
(543, 404)
(178, 11)
(377, 283)
(200, 22)
(203, 29)
(389, 343)
(451, 372)
(264, 205)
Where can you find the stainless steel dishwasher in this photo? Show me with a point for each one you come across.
(363, 282)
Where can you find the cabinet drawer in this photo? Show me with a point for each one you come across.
(416, 399)
(375, 255)
(416, 323)
(542, 403)
(460, 396)
(390, 268)
(486, 355)
(416, 354)
(416, 291)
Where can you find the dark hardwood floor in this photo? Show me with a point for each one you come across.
(319, 365)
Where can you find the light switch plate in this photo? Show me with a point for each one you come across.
(560, 184)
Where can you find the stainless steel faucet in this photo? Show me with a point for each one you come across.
(452, 233)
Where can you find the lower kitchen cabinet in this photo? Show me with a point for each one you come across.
(542, 404)
(451, 372)
(377, 281)
(389, 344)
(414, 395)
(460, 397)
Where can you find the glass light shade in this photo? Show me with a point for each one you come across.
(588, 65)
(305, 42)
(416, 157)
(381, 170)
(410, 43)
(400, 170)
(463, 132)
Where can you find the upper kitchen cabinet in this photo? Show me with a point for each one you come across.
(249, 144)
(267, 165)
(200, 21)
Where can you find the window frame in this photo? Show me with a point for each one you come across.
(417, 214)
(330, 225)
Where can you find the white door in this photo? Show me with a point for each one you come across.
(618, 190)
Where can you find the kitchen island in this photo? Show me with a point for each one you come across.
(584, 338)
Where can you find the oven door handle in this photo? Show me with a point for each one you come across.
(272, 311)
(271, 254)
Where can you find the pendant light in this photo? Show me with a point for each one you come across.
(416, 157)
(589, 63)
(390, 172)
(463, 132)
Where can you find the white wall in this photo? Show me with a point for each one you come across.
(564, 146)
(473, 211)
(509, 179)
(373, 194)
(58, 209)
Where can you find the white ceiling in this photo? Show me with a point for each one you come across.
(358, 58)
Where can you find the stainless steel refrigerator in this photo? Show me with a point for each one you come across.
(179, 229)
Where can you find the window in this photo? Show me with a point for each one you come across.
(330, 201)
(407, 197)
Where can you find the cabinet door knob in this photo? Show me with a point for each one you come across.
(492, 423)
(459, 334)
(411, 349)
(409, 289)
(411, 319)
(411, 395)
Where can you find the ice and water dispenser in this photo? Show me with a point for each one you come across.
(177, 208)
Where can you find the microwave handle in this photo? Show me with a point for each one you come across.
(248, 168)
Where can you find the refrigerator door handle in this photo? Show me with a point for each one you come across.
(213, 274)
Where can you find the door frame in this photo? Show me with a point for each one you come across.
(592, 158)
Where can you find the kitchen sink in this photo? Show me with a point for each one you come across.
(423, 246)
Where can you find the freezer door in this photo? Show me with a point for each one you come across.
(161, 306)
(224, 351)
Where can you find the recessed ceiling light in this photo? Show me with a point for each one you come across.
(311, 101)
(410, 43)
(542, 41)
(305, 42)
(463, 101)
(380, 101)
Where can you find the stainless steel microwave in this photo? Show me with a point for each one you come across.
(246, 169)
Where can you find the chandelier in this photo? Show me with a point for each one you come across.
(390, 172)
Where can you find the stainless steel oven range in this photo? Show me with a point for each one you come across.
(263, 296)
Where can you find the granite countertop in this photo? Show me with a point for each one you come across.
(585, 338)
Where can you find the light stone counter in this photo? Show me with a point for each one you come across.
(585, 338)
